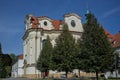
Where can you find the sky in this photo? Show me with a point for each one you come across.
(13, 12)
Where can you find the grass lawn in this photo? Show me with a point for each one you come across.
(42, 79)
(77, 79)
(113, 79)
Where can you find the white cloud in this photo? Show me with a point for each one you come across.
(111, 12)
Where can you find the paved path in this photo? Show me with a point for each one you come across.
(16, 79)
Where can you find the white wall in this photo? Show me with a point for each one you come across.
(112, 74)
(78, 25)
(30, 70)
(17, 70)
(49, 25)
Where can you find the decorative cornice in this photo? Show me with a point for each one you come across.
(45, 30)
(30, 30)
(72, 14)
(29, 65)
(45, 17)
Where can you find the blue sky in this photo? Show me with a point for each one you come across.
(12, 16)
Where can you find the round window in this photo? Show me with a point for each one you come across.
(73, 23)
(45, 23)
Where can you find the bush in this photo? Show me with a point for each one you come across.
(3, 73)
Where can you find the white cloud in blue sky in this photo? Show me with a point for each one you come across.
(111, 12)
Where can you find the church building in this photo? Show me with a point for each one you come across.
(36, 31)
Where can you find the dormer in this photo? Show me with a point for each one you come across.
(45, 23)
(74, 22)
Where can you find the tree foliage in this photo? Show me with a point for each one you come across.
(5, 64)
(97, 51)
(6, 59)
(8, 70)
(13, 57)
(43, 63)
(79, 65)
(3, 72)
(64, 51)
(0, 48)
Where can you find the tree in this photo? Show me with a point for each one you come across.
(43, 63)
(5, 64)
(6, 59)
(13, 57)
(3, 73)
(78, 58)
(8, 70)
(97, 51)
(64, 52)
(0, 48)
(1, 67)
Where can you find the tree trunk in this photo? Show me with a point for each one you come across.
(66, 72)
(79, 73)
(46, 73)
(43, 75)
(97, 75)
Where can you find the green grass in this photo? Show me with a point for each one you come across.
(114, 79)
(83, 79)
(43, 79)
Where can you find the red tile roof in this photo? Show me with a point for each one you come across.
(56, 24)
(109, 35)
(34, 21)
(20, 56)
(116, 40)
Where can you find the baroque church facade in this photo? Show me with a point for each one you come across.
(36, 31)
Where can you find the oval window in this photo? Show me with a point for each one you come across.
(73, 23)
(45, 23)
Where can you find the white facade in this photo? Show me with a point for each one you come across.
(77, 19)
(17, 68)
(37, 30)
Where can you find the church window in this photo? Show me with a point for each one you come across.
(73, 23)
(45, 23)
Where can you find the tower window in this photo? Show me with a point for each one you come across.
(73, 23)
(45, 23)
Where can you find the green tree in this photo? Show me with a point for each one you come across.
(0, 48)
(97, 51)
(5, 61)
(78, 58)
(64, 52)
(8, 70)
(3, 73)
(44, 60)
(13, 57)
